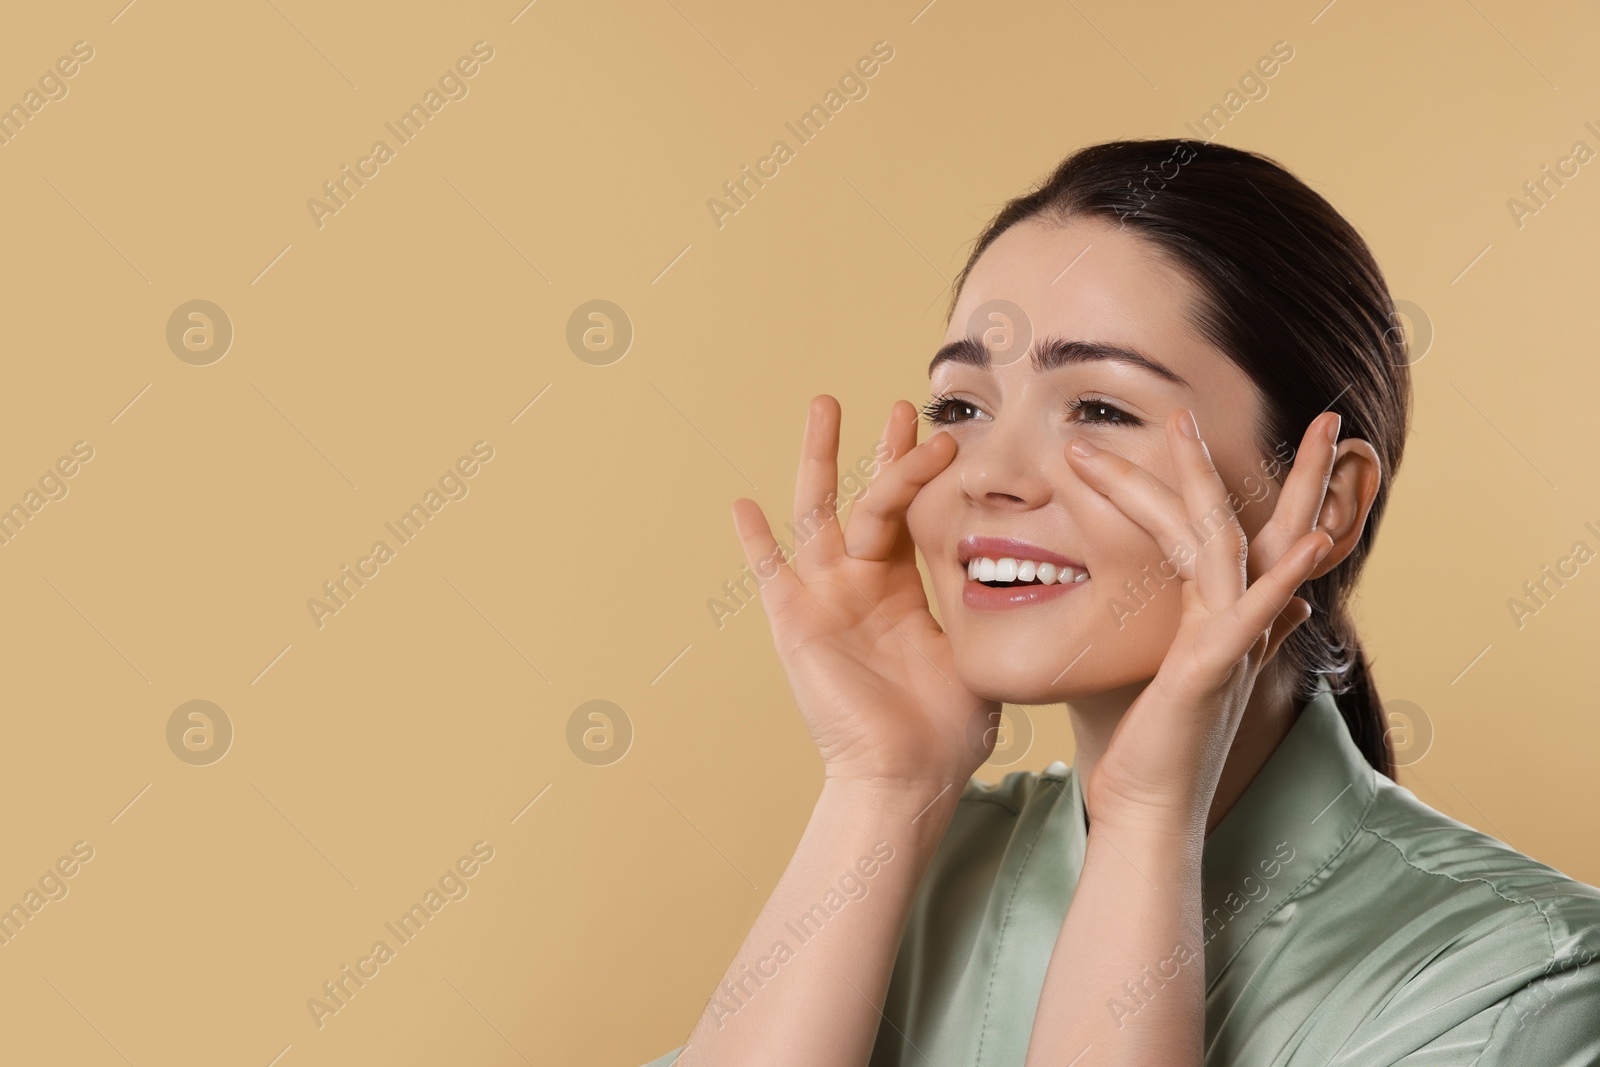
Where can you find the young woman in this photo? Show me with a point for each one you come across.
(1169, 408)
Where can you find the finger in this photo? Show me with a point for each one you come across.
(1141, 496)
(1300, 501)
(900, 434)
(878, 518)
(1288, 621)
(774, 577)
(1220, 575)
(1254, 612)
(816, 525)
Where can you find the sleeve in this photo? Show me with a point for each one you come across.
(667, 1060)
(1552, 1021)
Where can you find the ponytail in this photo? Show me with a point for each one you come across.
(1335, 651)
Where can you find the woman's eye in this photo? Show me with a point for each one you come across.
(1096, 409)
(942, 410)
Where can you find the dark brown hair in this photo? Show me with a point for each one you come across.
(1291, 293)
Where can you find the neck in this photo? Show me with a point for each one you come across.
(1268, 716)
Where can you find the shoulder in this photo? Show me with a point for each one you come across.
(1431, 868)
(1488, 950)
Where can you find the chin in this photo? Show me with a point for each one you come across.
(1037, 673)
(1012, 673)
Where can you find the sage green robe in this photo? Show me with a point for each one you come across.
(1346, 923)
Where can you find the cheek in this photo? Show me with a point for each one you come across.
(1136, 597)
(1110, 543)
(930, 513)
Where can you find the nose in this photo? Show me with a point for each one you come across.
(1003, 469)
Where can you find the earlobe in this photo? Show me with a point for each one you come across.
(1352, 487)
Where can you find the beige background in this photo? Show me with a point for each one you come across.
(432, 309)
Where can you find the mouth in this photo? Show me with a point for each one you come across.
(1002, 562)
(1003, 573)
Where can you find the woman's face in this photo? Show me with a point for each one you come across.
(1087, 281)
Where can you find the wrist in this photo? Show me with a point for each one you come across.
(920, 807)
(1168, 846)
(1167, 819)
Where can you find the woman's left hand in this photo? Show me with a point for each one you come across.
(1161, 767)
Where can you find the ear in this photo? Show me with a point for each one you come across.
(1352, 487)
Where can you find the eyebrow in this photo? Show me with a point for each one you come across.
(1049, 353)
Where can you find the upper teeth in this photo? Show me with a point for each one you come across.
(1007, 569)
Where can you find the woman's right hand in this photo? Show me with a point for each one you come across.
(871, 669)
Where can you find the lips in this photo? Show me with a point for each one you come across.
(1005, 553)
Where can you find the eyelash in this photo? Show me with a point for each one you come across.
(936, 410)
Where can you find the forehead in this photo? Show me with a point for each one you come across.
(1088, 279)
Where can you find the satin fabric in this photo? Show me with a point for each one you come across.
(1346, 924)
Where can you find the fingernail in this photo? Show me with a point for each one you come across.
(1082, 447)
(1323, 551)
(1188, 425)
(1333, 428)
